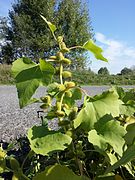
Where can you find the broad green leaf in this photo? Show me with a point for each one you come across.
(58, 172)
(21, 64)
(108, 131)
(97, 51)
(129, 95)
(51, 26)
(120, 91)
(97, 107)
(127, 109)
(29, 79)
(128, 156)
(128, 98)
(112, 132)
(130, 135)
(43, 141)
(97, 140)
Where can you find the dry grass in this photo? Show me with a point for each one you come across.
(5, 74)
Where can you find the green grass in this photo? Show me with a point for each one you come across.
(84, 77)
(5, 74)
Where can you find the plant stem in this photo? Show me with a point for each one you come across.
(25, 159)
(61, 70)
(61, 100)
(74, 47)
(83, 91)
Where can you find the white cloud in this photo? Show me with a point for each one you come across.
(118, 53)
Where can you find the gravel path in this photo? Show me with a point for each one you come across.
(15, 121)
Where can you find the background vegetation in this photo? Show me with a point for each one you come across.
(82, 77)
(28, 36)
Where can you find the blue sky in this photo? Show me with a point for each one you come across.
(114, 27)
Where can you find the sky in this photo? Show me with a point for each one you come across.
(114, 27)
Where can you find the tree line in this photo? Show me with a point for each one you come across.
(26, 34)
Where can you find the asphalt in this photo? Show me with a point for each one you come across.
(14, 122)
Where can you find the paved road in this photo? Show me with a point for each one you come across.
(15, 121)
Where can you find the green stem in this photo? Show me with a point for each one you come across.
(54, 37)
(61, 100)
(61, 70)
(75, 47)
(25, 159)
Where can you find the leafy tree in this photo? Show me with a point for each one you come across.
(29, 34)
(103, 71)
(3, 27)
(5, 54)
(126, 71)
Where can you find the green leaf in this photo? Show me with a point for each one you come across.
(51, 26)
(106, 177)
(127, 109)
(128, 155)
(76, 95)
(97, 107)
(52, 89)
(30, 78)
(90, 46)
(43, 141)
(108, 131)
(2, 160)
(97, 140)
(130, 135)
(128, 98)
(58, 172)
(21, 64)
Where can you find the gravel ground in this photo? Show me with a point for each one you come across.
(15, 121)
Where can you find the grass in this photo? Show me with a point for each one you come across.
(5, 74)
(84, 77)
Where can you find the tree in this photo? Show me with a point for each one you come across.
(30, 35)
(103, 71)
(5, 54)
(126, 71)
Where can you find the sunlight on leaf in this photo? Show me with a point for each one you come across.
(97, 51)
(100, 105)
(44, 141)
(29, 76)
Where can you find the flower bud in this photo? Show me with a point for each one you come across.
(53, 57)
(66, 61)
(58, 105)
(60, 113)
(68, 93)
(60, 56)
(44, 106)
(69, 84)
(46, 99)
(61, 87)
(66, 74)
(14, 164)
